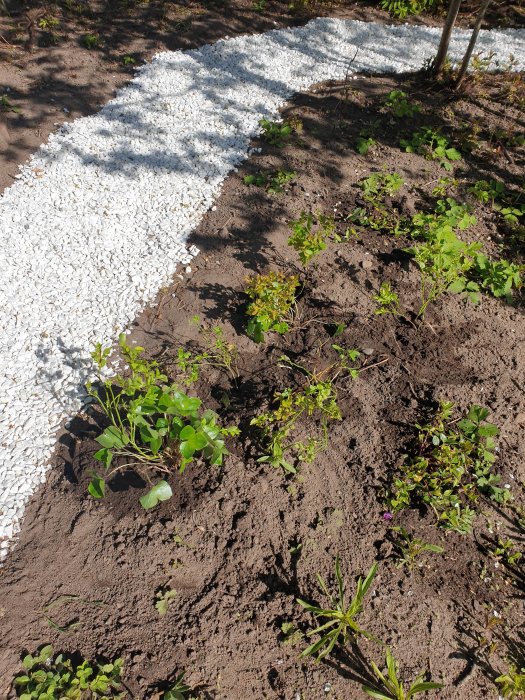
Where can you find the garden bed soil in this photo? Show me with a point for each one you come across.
(240, 543)
(48, 74)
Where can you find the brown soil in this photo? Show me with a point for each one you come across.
(52, 78)
(240, 543)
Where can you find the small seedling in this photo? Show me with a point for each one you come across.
(163, 597)
(309, 235)
(91, 41)
(497, 277)
(340, 622)
(433, 145)
(444, 184)
(47, 677)
(178, 690)
(506, 552)
(273, 296)
(290, 635)
(364, 143)
(454, 465)
(276, 133)
(279, 180)
(7, 106)
(387, 301)
(392, 687)
(409, 549)
(48, 23)
(259, 180)
(445, 261)
(398, 103)
(274, 184)
(128, 60)
(378, 185)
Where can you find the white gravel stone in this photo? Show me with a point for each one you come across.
(98, 219)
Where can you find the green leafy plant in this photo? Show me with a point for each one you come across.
(379, 185)
(511, 214)
(279, 179)
(376, 214)
(49, 677)
(258, 180)
(506, 552)
(48, 22)
(273, 296)
(178, 690)
(163, 598)
(409, 549)
(290, 635)
(217, 352)
(445, 261)
(403, 8)
(309, 235)
(387, 301)
(453, 467)
(276, 133)
(316, 398)
(398, 103)
(128, 60)
(7, 106)
(392, 687)
(512, 683)
(486, 192)
(339, 619)
(274, 183)
(153, 427)
(364, 143)
(497, 277)
(91, 41)
(433, 145)
(443, 186)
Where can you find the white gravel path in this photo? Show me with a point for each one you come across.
(98, 220)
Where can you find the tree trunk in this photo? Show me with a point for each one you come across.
(439, 61)
(468, 55)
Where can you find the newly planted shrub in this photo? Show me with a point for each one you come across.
(376, 214)
(445, 261)
(392, 686)
(433, 145)
(454, 465)
(217, 352)
(49, 677)
(273, 296)
(309, 235)
(153, 426)
(339, 619)
(316, 398)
